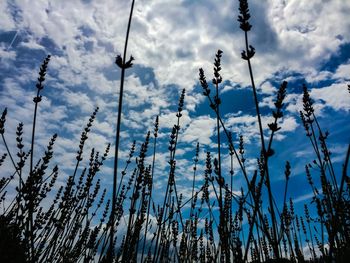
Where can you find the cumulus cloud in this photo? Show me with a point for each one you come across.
(335, 96)
(247, 125)
(343, 72)
(199, 130)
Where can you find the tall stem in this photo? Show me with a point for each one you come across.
(30, 211)
(150, 188)
(263, 149)
(117, 138)
(37, 99)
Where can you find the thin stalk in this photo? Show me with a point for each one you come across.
(30, 211)
(263, 149)
(36, 100)
(117, 138)
(150, 194)
(170, 179)
(312, 241)
(194, 179)
(11, 158)
(327, 154)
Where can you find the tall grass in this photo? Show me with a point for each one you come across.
(75, 223)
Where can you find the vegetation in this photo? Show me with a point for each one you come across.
(75, 223)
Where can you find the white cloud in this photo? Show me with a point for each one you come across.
(78, 99)
(247, 125)
(183, 45)
(303, 31)
(267, 88)
(6, 21)
(303, 198)
(288, 124)
(6, 55)
(343, 71)
(199, 130)
(335, 96)
(32, 44)
(175, 48)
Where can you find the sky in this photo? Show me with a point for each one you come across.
(299, 41)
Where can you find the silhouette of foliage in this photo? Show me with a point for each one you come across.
(76, 222)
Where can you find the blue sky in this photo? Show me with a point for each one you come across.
(299, 41)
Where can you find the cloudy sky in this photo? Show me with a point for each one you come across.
(299, 41)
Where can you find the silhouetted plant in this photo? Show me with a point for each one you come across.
(78, 224)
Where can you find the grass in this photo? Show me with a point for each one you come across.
(81, 225)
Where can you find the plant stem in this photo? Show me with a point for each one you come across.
(263, 149)
(117, 139)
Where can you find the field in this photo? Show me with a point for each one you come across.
(205, 169)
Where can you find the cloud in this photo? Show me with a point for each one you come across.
(303, 198)
(335, 96)
(32, 44)
(174, 47)
(247, 125)
(343, 72)
(6, 55)
(268, 88)
(6, 22)
(79, 99)
(199, 130)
